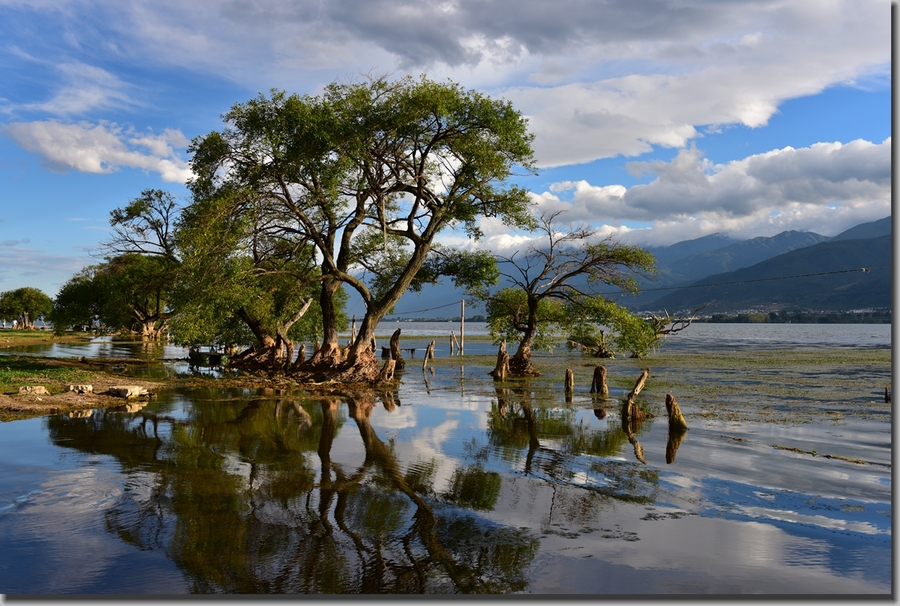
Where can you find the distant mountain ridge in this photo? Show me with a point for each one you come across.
(682, 264)
(821, 287)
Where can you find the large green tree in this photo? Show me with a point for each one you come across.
(24, 305)
(368, 173)
(240, 283)
(556, 283)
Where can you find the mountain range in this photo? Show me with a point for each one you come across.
(793, 269)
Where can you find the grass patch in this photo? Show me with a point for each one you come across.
(54, 374)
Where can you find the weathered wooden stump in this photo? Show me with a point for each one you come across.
(34, 390)
(301, 356)
(396, 355)
(80, 389)
(887, 395)
(387, 371)
(429, 354)
(501, 369)
(630, 412)
(570, 385)
(598, 383)
(676, 419)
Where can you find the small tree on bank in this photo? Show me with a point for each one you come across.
(556, 284)
(128, 293)
(25, 305)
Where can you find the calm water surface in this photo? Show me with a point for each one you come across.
(448, 485)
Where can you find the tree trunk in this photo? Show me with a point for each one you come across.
(570, 385)
(329, 354)
(598, 384)
(268, 350)
(396, 354)
(632, 415)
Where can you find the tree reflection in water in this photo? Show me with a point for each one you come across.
(245, 494)
(565, 451)
(230, 495)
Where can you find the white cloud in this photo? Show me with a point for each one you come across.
(826, 187)
(102, 148)
(86, 88)
(600, 80)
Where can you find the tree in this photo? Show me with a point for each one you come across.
(555, 284)
(368, 174)
(80, 303)
(126, 293)
(25, 305)
(242, 282)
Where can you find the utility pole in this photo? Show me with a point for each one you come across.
(462, 327)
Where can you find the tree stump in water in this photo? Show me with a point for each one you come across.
(429, 355)
(570, 384)
(676, 419)
(387, 372)
(631, 412)
(598, 383)
(502, 367)
(396, 356)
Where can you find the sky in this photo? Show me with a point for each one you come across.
(654, 122)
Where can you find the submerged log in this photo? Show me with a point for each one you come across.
(598, 383)
(570, 384)
(676, 419)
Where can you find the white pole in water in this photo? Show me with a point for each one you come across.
(462, 327)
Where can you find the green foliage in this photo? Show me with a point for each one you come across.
(608, 329)
(231, 261)
(367, 174)
(79, 303)
(128, 292)
(24, 304)
(555, 287)
(508, 318)
(145, 225)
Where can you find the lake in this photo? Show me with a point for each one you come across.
(454, 484)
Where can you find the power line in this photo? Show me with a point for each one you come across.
(418, 311)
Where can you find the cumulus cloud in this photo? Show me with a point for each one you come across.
(826, 187)
(102, 148)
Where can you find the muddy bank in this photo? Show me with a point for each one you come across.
(15, 406)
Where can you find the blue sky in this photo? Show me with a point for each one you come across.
(656, 122)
